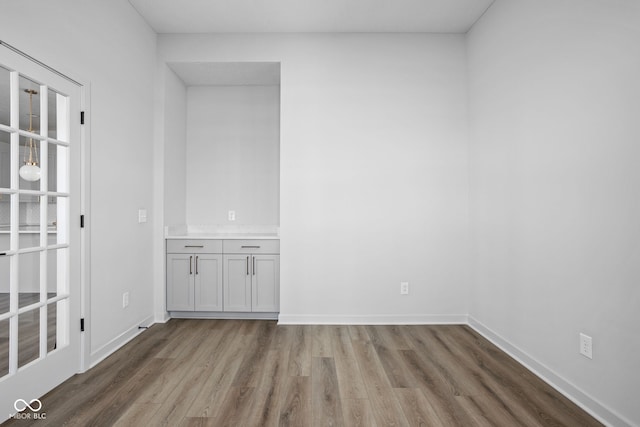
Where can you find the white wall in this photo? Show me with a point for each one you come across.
(175, 150)
(555, 101)
(107, 45)
(233, 155)
(374, 182)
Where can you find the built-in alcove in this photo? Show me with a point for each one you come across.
(222, 147)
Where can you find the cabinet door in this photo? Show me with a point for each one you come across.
(180, 282)
(208, 282)
(265, 288)
(237, 283)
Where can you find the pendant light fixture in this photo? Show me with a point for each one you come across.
(30, 171)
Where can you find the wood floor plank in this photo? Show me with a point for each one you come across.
(227, 358)
(251, 368)
(235, 407)
(321, 345)
(169, 379)
(397, 373)
(438, 392)
(358, 413)
(268, 396)
(444, 360)
(386, 409)
(110, 410)
(282, 338)
(477, 411)
(349, 376)
(295, 409)
(416, 407)
(358, 333)
(137, 414)
(325, 394)
(300, 356)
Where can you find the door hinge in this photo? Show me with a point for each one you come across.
(81, 117)
(82, 325)
(81, 221)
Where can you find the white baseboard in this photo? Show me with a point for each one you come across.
(115, 344)
(573, 393)
(162, 318)
(223, 315)
(375, 319)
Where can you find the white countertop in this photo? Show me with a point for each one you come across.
(222, 232)
(224, 236)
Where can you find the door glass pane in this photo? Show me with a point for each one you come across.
(29, 95)
(29, 221)
(29, 282)
(52, 102)
(62, 174)
(28, 337)
(29, 163)
(54, 258)
(4, 347)
(5, 161)
(52, 321)
(57, 209)
(52, 164)
(4, 284)
(4, 96)
(5, 222)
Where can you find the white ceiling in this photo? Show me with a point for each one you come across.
(227, 73)
(289, 16)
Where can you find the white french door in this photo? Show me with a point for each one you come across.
(40, 143)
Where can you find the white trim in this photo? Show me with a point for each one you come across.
(223, 315)
(85, 233)
(118, 342)
(163, 318)
(372, 319)
(566, 388)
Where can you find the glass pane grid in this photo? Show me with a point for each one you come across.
(34, 255)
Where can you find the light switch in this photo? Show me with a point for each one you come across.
(232, 215)
(142, 215)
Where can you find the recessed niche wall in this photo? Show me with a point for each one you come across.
(231, 146)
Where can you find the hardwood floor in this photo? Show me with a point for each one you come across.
(255, 373)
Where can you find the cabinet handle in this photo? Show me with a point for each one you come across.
(194, 246)
(247, 266)
(196, 265)
(254, 266)
(191, 264)
(250, 247)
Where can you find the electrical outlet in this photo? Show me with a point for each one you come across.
(125, 299)
(404, 288)
(586, 346)
(232, 215)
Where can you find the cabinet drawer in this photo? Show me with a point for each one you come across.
(194, 246)
(251, 246)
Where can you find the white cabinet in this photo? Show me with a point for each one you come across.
(235, 276)
(194, 275)
(251, 275)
